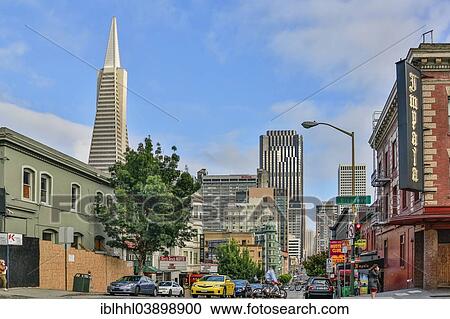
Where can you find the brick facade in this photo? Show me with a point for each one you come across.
(104, 269)
(414, 218)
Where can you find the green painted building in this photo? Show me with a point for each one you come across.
(46, 190)
(267, 237)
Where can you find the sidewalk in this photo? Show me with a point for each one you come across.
(26, 293)
(412, 293)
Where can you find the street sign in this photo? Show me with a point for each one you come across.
(350, 200)
(65, 235)
(11, 239)
(336, 251)
(361, 243)
(351, 230)
(329, 266)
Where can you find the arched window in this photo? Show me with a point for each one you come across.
(75, 197)
(28, 184)
(50, 235)
(77, 240)
(99, 243)
(109, 200)
(46, 189)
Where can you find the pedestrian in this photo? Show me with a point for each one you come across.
(3, 269)
(374, 280)
(356, 287)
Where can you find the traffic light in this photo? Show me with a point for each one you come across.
(358, 227)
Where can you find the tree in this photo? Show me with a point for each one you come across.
(152, 202)
(316, 265)
(285, 278)
(236, 262)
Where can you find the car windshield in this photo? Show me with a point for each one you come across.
(320, 282)
(211, 278)
(130, 278)
(165, 284)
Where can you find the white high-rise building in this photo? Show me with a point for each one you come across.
(345, 181)
(110, 137)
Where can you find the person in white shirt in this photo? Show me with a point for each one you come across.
(3, 269)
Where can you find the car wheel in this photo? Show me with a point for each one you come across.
(181, 294)
(137, 291)
(155, 292)
(283, 294)
(224, 295)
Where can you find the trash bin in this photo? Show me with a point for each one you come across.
(81, 282)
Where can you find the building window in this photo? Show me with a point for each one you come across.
(195, 258)
(77, 241)
(386, 163)
(416, 196)
(394, 155)
(385, 252)
(404, 199)
(99, 243)
(49, 235)
(28, 184)
(46, 187)
(76, 192)
(402, 251)
(394, 200)
(448, 112)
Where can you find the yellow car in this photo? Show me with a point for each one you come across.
(213, 285)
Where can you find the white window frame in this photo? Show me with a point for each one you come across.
(77, 203)
(33, 184)
(49, 191)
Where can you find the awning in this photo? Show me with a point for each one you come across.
(147, 268)
(419, 219)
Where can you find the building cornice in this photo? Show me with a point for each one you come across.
(38, 150)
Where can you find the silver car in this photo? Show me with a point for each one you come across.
(133, 285)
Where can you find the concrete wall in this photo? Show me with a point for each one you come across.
(104, 269)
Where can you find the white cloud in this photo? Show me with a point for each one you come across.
(66, 136)
(10, 55)
(326, 39)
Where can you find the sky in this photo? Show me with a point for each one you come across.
(224, 69)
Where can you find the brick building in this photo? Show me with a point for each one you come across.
(411, 230)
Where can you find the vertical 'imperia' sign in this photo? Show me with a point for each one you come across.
(410, 130)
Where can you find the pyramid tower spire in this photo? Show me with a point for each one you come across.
(112, 58)
(110, 136)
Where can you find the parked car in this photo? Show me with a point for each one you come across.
(170, 288)
(213, 285)
(133, 285)
(242, 288)
(318, 287)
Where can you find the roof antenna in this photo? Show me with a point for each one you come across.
(424, 36)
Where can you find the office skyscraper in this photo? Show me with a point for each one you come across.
(110, 136)
(326, 216)
(345, 181)
(281, 155)
(220, 193)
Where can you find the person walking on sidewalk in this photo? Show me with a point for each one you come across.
(374, 281)
(3, 269)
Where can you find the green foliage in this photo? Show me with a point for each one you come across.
(285, 278)
(316, 265)
(236, 262)
(152, 205)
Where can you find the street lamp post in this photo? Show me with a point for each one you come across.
(310, 124)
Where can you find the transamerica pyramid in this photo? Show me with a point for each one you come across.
(110, 135)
